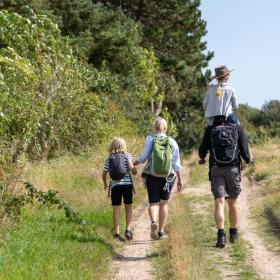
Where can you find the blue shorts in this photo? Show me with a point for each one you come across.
(157, 190)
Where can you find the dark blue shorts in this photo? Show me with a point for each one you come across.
(156, 189)
(121, 192)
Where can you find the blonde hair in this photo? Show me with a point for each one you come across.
(160, 125)
(223, 79)
(118, 145)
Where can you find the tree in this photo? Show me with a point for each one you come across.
(174, 29)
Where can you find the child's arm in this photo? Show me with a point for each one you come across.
(104, 179)
(131, 167)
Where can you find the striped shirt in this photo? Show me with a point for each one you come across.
(127, 178)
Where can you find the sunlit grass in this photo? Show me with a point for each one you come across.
(266, 208)
(43, 244)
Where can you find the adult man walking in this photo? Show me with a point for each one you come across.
(226, 143)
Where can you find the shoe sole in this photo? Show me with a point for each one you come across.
(153, 233)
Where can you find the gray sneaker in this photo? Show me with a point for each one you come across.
(154, 232)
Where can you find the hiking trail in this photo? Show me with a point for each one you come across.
(265, 262)
(132, 262)
(218, 256)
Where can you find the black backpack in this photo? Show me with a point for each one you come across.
(117, 166)
(224, 140)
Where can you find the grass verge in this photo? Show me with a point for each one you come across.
(266, 208)
(42, 244)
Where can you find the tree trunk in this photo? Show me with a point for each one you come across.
(139, 10)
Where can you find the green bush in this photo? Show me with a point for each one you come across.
(46, 104)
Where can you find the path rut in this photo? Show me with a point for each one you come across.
(265, 262)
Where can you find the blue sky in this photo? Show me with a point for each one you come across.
(245, 35)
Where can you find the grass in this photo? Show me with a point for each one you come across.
(265, 174)
(184, 254)
(198, 173)
(189, 252)
(42, 244)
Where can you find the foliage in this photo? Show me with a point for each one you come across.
(261, 124)
(46, 104)
(156, 58)
(15, 194)
(175, 33)
(51, 198)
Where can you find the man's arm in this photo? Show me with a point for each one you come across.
(243, 145)
(205, 144)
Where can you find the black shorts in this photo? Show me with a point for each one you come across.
(156, 188)
(225, 182)
(119, 192)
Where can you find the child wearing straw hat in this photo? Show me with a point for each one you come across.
(220, 99)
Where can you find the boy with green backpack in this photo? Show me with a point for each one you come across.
(163, 166)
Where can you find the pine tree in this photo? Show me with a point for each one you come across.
(174, 29)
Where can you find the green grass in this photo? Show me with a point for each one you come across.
(266, 209)
(43, 244)
(238, 253)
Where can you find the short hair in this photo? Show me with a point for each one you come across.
(118, 145)
(160, 125)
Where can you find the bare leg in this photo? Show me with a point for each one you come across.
(163, 212)
(128, 215)
(219, 212)
(116, 218)
(153, 211)
(233, 213)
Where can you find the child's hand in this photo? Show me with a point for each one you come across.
(134, 171)
(106, 187)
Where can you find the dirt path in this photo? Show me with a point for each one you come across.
(265, 262)
(221, 258)
(132, 261)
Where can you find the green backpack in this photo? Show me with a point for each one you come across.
(161, 157)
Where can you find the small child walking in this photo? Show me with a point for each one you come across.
(118, 165)
(220, 99)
